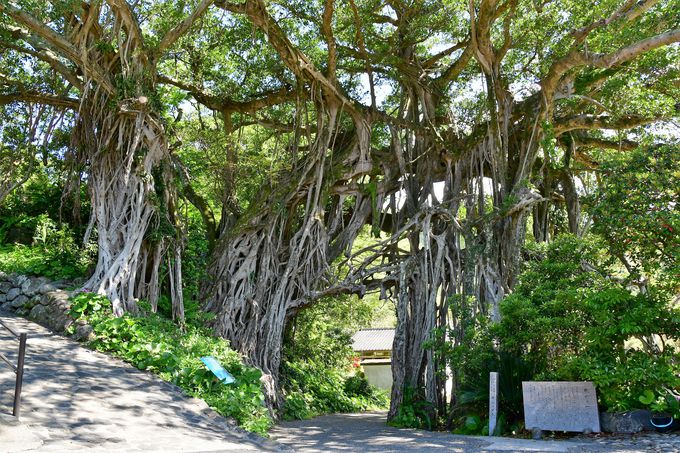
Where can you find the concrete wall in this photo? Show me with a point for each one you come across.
(379, 375)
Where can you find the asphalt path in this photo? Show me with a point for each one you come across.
(75, 399)
(368, 432)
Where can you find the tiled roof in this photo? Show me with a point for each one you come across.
(373, 340)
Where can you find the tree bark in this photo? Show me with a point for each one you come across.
(270, 263)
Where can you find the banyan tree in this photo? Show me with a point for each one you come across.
(449, 129)
(100, 52)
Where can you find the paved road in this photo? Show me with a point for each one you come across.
(80, 400)
(76, 399)
(367, 432)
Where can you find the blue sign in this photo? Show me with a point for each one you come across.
(218, 370)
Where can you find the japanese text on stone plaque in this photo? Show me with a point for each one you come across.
(560, 406)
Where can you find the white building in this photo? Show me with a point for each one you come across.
(374, 347)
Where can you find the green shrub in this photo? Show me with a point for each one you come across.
(41, 196)
(567, 319)
(153, 343)
(312, 389)
(635, 209)
(317, 357)
(54, 253)
(472, 424)
(195, 257)
(414, 411)
(573, 322)
(617, 355)
(357, 385)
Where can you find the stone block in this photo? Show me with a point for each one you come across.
(19, 301)
(18, 280)
(33, 286)
(84, 332)
(13, 293)
(57, 298)
(39, 314)
(32, 302)
(560, 406)
(52, 311)
(626, 422)
(47, 288)
(26, 284)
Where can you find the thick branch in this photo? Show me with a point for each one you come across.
(225, 104)
(480, 32)
(122, 8)
(457, 67)
(262, 100)
(174, 34)
(292, 57)
(581, 122)
(41, 53)
(41, 30)
(444, 53)
(40, 98)
(327, 31)
(632, 51)
(593, 142)
(576, 58)
(209, 100)
(56, 42)
(629, 11)
(364, 53)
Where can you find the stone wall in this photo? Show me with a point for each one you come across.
(41, 300)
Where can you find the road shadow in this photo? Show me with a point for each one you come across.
(88, 399)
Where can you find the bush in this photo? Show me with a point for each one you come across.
(414, 411)
(567, 319)
(153, 343)
(54, 255)
(317, 358)
(312, 389)
(41, 196)
(617, 353)
(635, 208)
(571, 321)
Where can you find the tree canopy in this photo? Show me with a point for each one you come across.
(456, 131)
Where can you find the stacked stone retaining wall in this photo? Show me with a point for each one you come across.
(41, 300)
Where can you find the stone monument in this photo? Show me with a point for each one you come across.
(560, 406)
(493, 401)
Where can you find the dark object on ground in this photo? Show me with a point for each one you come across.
(626, 422)
(664, 423)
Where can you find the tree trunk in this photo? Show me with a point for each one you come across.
(121, 189)
(268, 265)
(571, 200)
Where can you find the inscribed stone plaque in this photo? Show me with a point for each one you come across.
(560, 406)
(493, 401)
